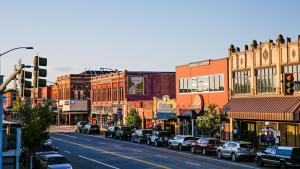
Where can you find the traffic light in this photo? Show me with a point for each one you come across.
(25, 84)
(39, 72)
(289, 84)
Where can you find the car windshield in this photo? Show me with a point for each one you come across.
(46, 148)
(147, 131)
(246, 145)
(57, 160)
(95, 126)
(214, 142)
(189, 138)
(164, 134)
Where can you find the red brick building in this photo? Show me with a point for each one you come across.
(198, 85)
(126, 90)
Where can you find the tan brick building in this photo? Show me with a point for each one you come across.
(258, 106)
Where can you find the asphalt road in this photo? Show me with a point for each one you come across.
(97, 152)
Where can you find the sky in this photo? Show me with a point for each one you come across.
(146, 35)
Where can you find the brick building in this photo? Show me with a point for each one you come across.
(259, 104)
(121, 91)
(198, 85)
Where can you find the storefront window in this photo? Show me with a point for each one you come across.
(266, 80)
(242, 82)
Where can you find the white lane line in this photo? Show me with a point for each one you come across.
(100, 142)
(139, 151)
(67, 152)
(98, 162)
(65, 135)
(117, 146)
(87, 140)
(192, 163)
(161, 156)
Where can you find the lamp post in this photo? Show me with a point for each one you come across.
(1, 102)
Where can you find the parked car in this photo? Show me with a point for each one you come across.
(281, 156)
(237, 150)
(123, 132)
(205, 145)
(111, 131)
(80, 125)
(54, 161)
(141, 135)
(40, 153)
(159, 138)
(181, 142)
(91, 129)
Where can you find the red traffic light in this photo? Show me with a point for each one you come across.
(290, 78)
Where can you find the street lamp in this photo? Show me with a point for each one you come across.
(1, 102)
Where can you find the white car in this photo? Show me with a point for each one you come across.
(55, 161)
(181, 142)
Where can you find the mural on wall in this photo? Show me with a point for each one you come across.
(135, 85)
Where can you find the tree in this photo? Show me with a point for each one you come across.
(210, 121)
(35, 123)
(133, 119)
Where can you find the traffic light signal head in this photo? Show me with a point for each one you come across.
(289, 84)
(25, 90)
(39, 72)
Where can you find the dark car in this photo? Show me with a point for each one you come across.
(281, 156)
(91, 129)
(79, 126)
(123, 132)
(159, 138)
(111, 131)
(141, 135)
(205, 145)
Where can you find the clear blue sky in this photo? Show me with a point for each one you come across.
(137, 34)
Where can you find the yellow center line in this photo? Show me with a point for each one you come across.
(116, 154)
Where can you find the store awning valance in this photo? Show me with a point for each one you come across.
(263, 108)
(163, 115)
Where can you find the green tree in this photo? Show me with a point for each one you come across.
(133, 119)
(210, 121)
(35, 124)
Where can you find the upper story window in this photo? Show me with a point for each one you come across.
(241, 82)
(266, 80)
(295, 69)
(202, 84)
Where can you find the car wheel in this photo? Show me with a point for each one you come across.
(283, 165)
(204, 151)
(220, 156)
(259, 162)
(193, 150)
(170, 146)
(233, 157)
(156, 144)
(180, 147)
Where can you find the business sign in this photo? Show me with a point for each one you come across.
(135, 85)
(198, 104)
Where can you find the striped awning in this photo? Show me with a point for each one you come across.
(263, 108)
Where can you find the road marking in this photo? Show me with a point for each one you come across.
(161, 156)
(139, 151)
(65, 135)
(192, 163)
(98, 162)
(117, 146)
(67, 152)
(208, 158)
(87, 140)
(100, 142)
(114, 153)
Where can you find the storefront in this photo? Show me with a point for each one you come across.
(265, 120)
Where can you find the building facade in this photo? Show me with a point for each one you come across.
(261, 108)
(198, 85)
(115, 94)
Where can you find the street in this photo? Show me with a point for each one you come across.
(95, 152)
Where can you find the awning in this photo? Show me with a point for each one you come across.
(163, 115)
(263, 108)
